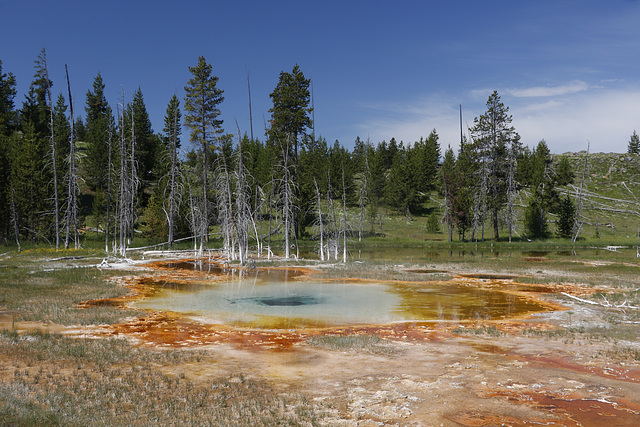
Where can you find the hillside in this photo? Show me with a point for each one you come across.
(611, 192)
(610, 205)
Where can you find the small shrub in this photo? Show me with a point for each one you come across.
(433, 223)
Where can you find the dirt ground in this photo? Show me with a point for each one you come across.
(431, 376)
(421, 374)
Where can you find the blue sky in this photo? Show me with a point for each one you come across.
(568, 70)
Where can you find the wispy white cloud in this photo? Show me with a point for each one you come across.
(410, 121)
(604, 116)
(545, 91)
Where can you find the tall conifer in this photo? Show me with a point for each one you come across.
(201, 105)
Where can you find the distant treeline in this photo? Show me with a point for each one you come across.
(107, 171)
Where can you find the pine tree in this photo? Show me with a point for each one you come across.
(377, 182)
(62, 130)
(290, 112)
(42, 72)
(98, 124)
(399, 191)
(497, 144)
(8, 116)
(168, 166)
(359, 154)
(634, 144)
(544, 199)
(566, 217)
(28, 156)
(314, 164)
(564, 171)
(462, 204)
(8, 123)
(70, 176)
(339, 164)
(202, 100)
(535, 222)
(290, 123)
(429, 160)
(449, 189)
(147, 143)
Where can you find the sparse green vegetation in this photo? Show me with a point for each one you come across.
(483, 330)
(360, 342)
(64, 381)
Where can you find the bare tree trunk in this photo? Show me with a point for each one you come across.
(259, 202)
(225, 206)
(319, 203)
(362, 200)
(14, 219)
(333, 238)
(270, 218)
(344, 212)
(122, 194)
(106, 229)
(133, 181)
(511, 191)
(172, 182)
(243, 204)
(54, 163)
(483, 196)
(286, 186)
(71, 213)
(447, 209)
(205, 188)
(577, 223)
(193, 218)
(250, 112)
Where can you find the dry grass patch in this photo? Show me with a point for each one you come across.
(50, 379)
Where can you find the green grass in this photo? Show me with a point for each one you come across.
(37, 290)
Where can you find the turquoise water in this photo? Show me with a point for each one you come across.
(256, 301)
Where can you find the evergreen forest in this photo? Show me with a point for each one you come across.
(75, 171)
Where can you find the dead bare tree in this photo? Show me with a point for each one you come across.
(128, 185)
(109, 173)
(250, 112)
(483, 194)
(345, 223)
(224, 201)
(173, 197)
(319, 206)
(71, 212)
(134, 181)
(42, 62)
(122, 205)
(447, 208)
(363, 198)
(14, 219)
(194, 218)
(577, 223)
(271, 210)
(333, 238)
(287, 198)
(244, 218)
(511, 187)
